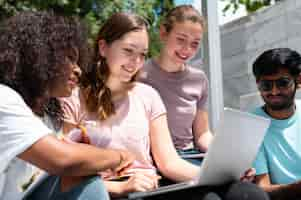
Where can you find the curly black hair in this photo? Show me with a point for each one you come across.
(33, 50)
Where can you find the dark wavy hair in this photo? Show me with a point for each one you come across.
(33, 50)
(97, 94)
(270, 61)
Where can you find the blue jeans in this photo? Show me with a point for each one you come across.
(91, 189)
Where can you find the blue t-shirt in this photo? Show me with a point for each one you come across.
(280, 154)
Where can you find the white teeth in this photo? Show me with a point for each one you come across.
(128, 69)
(182, 57)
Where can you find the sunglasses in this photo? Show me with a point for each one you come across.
(281, 83)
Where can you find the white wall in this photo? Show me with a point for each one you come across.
(244, 39)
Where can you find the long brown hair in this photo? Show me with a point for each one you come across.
(97, 95)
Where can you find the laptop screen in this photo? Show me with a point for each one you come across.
(233, 148)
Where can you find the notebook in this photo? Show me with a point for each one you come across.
(231, 152)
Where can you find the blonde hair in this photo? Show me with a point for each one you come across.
(183, 13)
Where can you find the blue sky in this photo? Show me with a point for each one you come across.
(177, 2)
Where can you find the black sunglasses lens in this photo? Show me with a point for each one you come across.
(265, 85)
(283, 83)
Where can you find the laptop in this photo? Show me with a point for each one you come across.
(231, 152)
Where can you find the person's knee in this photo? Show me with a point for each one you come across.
(211, 196)
(245, 191)
(92, 189)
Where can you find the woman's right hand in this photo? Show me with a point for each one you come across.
(140, 182)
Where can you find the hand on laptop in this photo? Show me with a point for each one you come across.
(249, 175)
(140, 182)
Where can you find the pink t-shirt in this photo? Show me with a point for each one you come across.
(128, 128)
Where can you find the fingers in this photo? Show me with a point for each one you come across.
(251, 172)
(79, 134)
(65, 139)
(140, 182)
(154, 178)
(249, 175)
(85, 137)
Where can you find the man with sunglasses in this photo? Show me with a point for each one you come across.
(278, 163)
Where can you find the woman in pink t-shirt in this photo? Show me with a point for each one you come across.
(120, 113)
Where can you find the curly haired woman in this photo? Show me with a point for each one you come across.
(39, 57)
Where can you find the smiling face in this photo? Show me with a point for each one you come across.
(125, 56)
(182, 41)
(278, 97)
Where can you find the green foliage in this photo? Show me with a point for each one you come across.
(250, 5)
(95, 12)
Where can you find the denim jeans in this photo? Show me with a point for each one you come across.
(91, 189)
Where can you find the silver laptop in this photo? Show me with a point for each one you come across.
(231, 152)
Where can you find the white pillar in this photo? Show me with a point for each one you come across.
(212, 61)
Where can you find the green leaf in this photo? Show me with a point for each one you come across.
(95, 12)
(250, 5)
(226, 8)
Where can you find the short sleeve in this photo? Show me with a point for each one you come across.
(260, 164)
(157, 105)
(19, 127)
(71, 108)
(203, 100)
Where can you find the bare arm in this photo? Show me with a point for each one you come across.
(279, 191)
(72, 159)
(68, 127)
(165, 155)
(137, 182)
(201, 131)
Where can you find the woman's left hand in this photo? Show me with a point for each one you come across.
(249, 175)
